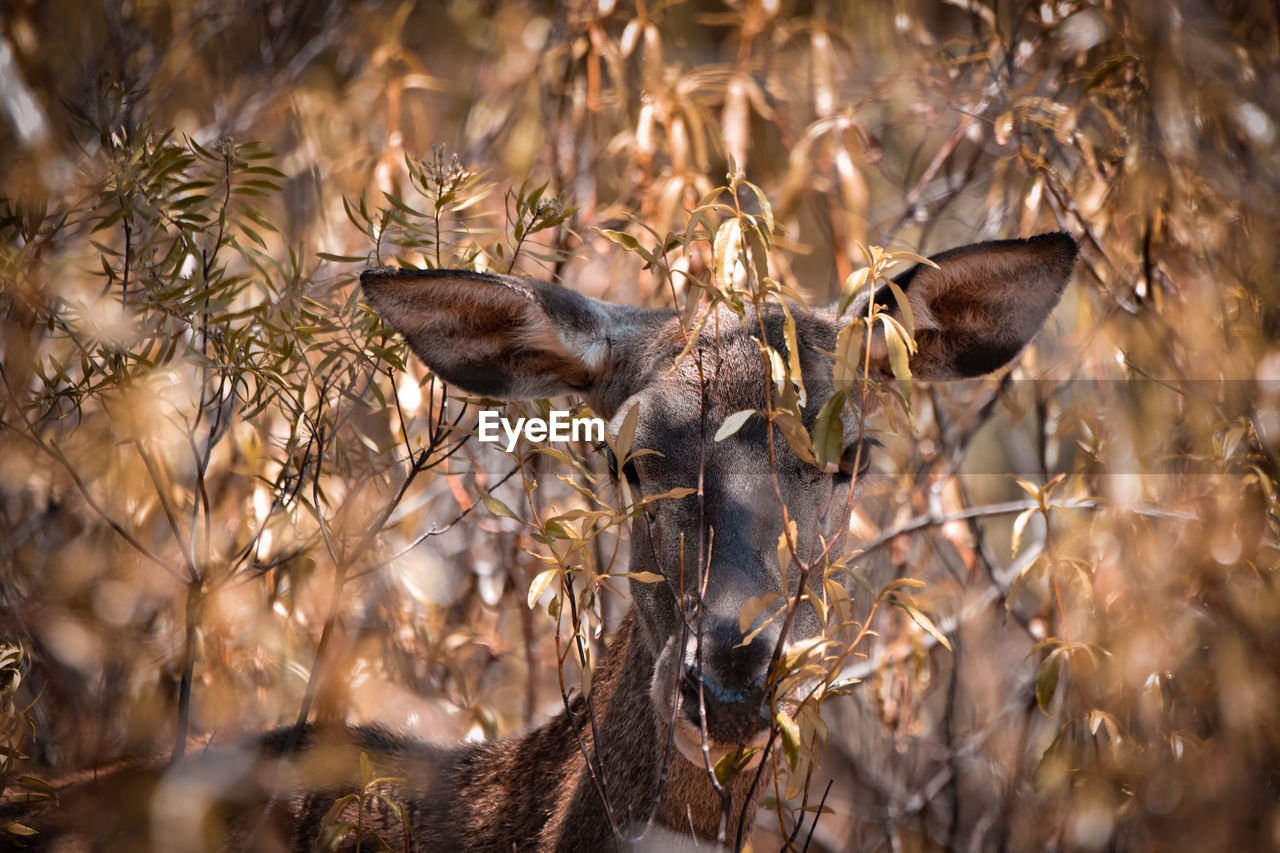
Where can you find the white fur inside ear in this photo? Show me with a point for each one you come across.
(593, 351)
(589, 345)
(920, 311)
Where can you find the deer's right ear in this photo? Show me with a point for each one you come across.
(495, 335)
(981, 304)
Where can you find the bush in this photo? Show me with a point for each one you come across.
(229, 500)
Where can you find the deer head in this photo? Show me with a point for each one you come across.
(510, 337)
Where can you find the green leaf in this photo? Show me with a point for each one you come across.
(855, 282)
(899, 348)
(252, 235)
(332, 836)
(818, 809)
(262, 184)
(395, 807)
(848, 355)
(790, 737)
(33, 783)
(498, 508)
(556, 530)
(1047, 679)
(759, 257)
(729, 764)
(828, 433)
(623, 239)
(766, 209)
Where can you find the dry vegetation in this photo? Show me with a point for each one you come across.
(228, 499)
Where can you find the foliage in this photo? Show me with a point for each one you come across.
(228, 499)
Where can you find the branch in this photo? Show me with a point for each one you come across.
(53, 451)
(865, 668)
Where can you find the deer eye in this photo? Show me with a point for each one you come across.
(629, 471)
(857, 455)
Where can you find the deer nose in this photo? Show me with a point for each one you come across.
(727, 681)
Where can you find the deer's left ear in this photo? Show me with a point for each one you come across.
(495, 335)
(983, 302)
(514, 337)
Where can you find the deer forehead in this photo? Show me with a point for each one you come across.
(689, 392)
(725, 370)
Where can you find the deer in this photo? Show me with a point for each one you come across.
(680, 685)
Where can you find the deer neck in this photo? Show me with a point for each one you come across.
(539, 788)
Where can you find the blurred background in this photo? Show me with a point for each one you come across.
(228, 497)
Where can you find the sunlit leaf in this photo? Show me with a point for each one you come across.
(727, 243)
(641, 577)
(901, 583)
(794, 370)
(797, 436)
(539, 585)
(900, 255)
(1015, 542)
(920, 619)
(733, 423)
(626, 434)
(752, 609)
